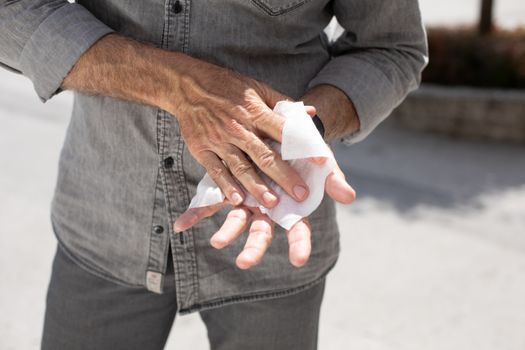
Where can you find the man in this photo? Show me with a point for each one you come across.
(166, 90)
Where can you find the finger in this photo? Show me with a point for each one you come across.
(270, 124)
(192, 216)
(271, 163)
(320, 160)
(317, 160)
(337, 187)
(244, 171)
(259, 239)
(299, 242)
(233, 226)
(311, 110)
(222, 177)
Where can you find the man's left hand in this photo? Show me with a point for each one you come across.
(260, 233)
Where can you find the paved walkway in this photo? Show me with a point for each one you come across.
(507, 13)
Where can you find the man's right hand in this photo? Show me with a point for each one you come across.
(223, 115)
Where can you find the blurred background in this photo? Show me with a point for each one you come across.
(433, 251)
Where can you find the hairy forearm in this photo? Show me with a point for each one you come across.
(123, 68)
(335, 109)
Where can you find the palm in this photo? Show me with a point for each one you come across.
(261, 229)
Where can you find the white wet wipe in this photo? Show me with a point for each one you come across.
(300, 141)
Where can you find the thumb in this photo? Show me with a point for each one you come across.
(337, 187)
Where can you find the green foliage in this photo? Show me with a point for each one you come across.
(460, 56)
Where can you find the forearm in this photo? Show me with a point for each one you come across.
(123, 68)
(377, 60)
(335, 109)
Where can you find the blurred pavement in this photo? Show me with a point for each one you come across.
(507, 13)
(433, 251)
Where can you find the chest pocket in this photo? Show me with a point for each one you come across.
(278, 7)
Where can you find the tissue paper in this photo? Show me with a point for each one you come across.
(300, 141)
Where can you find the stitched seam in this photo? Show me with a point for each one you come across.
(281, 10)
(186, 42)
(181, 182)
(151, 227)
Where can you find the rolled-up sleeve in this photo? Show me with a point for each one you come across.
(378, 59)
(44, 39)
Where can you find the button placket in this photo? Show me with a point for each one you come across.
(177, 7)
(176, 191)
(158, 249)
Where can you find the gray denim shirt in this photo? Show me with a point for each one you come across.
(125, 173)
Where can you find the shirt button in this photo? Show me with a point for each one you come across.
(158, 229)
(168, 162)
(177, 7)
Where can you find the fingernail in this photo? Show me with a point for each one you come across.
(300, 192)
(216, 242)
(269, 198)
(189, 219)
(236, 198)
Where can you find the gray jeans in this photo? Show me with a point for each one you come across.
(85, 311)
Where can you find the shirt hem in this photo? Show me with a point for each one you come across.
(94, 270)
(257, 296)
(213, 304)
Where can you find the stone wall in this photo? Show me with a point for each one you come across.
(480, 114)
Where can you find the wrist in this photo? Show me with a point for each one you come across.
(335, 110)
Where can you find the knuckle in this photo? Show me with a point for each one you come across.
(256, 148)
(254, 106)
(215, 171)
(241, 168)
(198, 150)
(215, 136)
(234, 128)
(260, 118)
(238, 214)
(238, 110)
(266, 159)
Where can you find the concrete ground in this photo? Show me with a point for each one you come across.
(433, 251)
(507, 13)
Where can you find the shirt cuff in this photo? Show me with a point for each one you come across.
(374, 96)
(57, 44)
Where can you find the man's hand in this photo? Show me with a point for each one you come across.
(260, 233)
(340, 118)
(223, 116)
